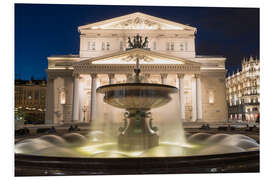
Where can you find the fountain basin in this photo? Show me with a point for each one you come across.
(27, 165)
(137, 95)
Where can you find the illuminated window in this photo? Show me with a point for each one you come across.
(211, 97)
(62, 97)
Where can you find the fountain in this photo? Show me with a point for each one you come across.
(137, 99)
(138, 139)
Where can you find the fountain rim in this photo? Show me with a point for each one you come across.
(165, 86)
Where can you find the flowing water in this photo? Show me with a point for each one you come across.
(102, 139)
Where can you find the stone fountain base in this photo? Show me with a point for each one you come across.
(138, 134)
(138, 142)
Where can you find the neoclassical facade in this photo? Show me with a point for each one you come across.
(243, 92)
(170, 58)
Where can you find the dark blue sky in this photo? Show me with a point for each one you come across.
(44, 30)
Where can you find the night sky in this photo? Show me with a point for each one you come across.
(45, 30)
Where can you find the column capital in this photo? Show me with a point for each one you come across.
(163, 75)
(128, 75)
(111, 75)
(75, 75)
(50, 78)
(197, 76)
(147, 75)
(180, 75)
(93, 75)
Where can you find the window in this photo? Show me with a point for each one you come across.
(93, 46)
(182, 46)
(62, 97)
(172, 46)
(167, 46)
(211, 97)
(108, 46)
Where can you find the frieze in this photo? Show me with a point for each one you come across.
(118, 68)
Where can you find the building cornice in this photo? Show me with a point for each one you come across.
(123, 69)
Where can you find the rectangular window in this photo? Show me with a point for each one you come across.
(167, 46)
(172, 46)
(182, 46)
(108, 46)
(93, 46)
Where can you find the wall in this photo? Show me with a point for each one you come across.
(218, 110)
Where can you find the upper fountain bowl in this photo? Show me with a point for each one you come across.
(137, 95)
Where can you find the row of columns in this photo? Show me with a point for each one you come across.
(196, 98)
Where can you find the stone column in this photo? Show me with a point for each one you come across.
(75, 103)
(93, 96)
(111, 78)
(128, 75)
(163, 78)
(49, 101)
(147, 76)
(181, 95)
(198, 97)
(193, 100)
(68, 84)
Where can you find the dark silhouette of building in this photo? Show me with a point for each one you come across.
(30, 99)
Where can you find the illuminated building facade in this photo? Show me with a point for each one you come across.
(170, 58)
(243, 92)
(30, 99)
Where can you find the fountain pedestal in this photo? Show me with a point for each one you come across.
(137, 135)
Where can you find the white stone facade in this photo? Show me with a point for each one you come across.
(103, 59)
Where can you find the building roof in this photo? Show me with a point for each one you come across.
(137, 20)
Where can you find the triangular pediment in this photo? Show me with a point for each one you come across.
(137, 21)
(145, 57)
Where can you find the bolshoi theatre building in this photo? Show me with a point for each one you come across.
(106, 58)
